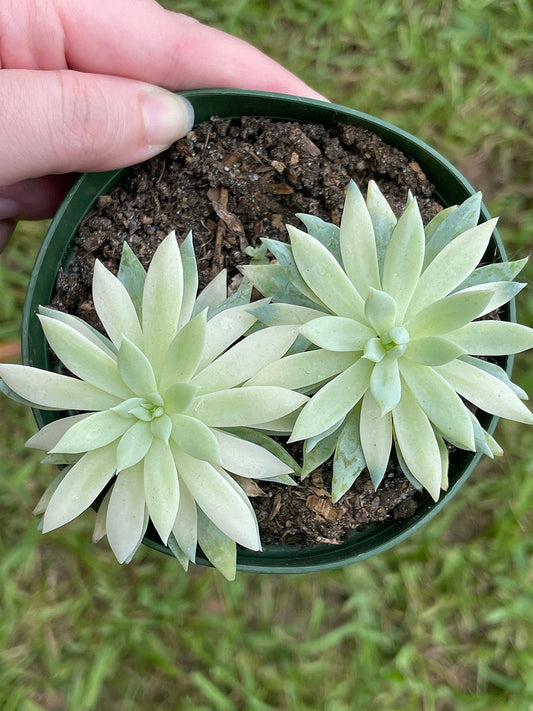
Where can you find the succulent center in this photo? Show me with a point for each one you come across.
(392, 343)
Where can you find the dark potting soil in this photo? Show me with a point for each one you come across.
(233, 182)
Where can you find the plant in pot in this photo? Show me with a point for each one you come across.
(376, 345)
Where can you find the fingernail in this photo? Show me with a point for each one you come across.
(167, 117)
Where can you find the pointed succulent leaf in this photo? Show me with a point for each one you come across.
(219, 499)
(463, 218)
(385, 384)
(303, 369)
(190, 280)
(501, 271)
(135, 369)
(125, 512)
(61, 459)
(213, 295)
(333, 401)
(312, 442)
(336, 333)
(185, 529)
(272, 281)
(375, 437)
(383, 221)
(195, 438)
(404, 258)
(481, 444)
(133, 445)
(97, 430)
(183, 357)
(493, 338)
(161, 427)
(12, 395)
(417, 443)
(162, 298)
(497, 372)
(45, 498)
(316, 456)
(502, 292)
(179, 396)
(266, 443)
(444, 462)
(440, 402)
(358, 244)
(132, 275)
(57, 392)
(114, 307)
(223, 330)
(49, 435)
(349, 460)
(219, 549)
(325, 232)
(248, 459)
(161, 487)
(325, 277)
(433, 350)
(99, 530)
(245, 406)
(436, 221)
(451, 266)
(380, 310)
(284, 255)
(448, 314)
(83, 358)
(80, 487)
(285, 314)
(246, 358)
(90, 333)
(485, 391)
(374, 350)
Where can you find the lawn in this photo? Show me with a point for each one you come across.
(444, 621)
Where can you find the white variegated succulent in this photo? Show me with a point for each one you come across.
(156, 399)
(392, 313)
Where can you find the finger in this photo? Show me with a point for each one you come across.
(35, 199)
(140, 40)
(61, 122)
(6, 230)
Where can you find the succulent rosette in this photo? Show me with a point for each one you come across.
(156, 398)
(391, 315)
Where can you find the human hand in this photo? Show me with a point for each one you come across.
(80, 90)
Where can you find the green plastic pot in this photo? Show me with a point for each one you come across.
(451, 188)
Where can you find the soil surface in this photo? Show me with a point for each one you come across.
(232, 182)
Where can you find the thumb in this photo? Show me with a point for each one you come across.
(54, 122)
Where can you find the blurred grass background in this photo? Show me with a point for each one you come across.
(443, 622)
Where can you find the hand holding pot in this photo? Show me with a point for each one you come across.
(80, 90)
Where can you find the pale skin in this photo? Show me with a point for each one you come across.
(85, 86)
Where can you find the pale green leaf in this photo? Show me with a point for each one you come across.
(385, 384)
(248, 459)
(303, 369)
(501, 271)
(162, 298)
(178, 554)
(190, 280)
(444, 462)
(358, 244)
(58, 392)
(97, 430)
(404, 258)
(380, 310)
(272, 281)
(457, 221)
(436, 221)
(99, 530)
(185, 527)
(333, 401)
(50, 434)
(349, 460)
(284, 255)
(12, 395)
(440, 402)
(315, 456)
(90, 333)
(135, 369)
(434, 350)
(267, 443)
(448, 314)
(497, 372)
(417, 443)
(451, 266)
(213, 295)
(83, 358)
(45, 498)
(493, 338)
(178, 397)
(502, 292)
(222, 501)
(485, 391)
(245, 406)
(195, 438)
(125, 513)
(161, 487)
(241, 297)
(60, 459)
(185, 352)
(133, 445)
(246, 358)
(132, 274)
(325, 277)
(219, 549)
(375, 437)
(285, 314)
(325, 232)
(161, 427)
(80, 487)
(374, 350)
(480, 439)
(114, 307)
(337, 333)
(383, 221)
(223, 330)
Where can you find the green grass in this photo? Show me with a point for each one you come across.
(441, 623)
